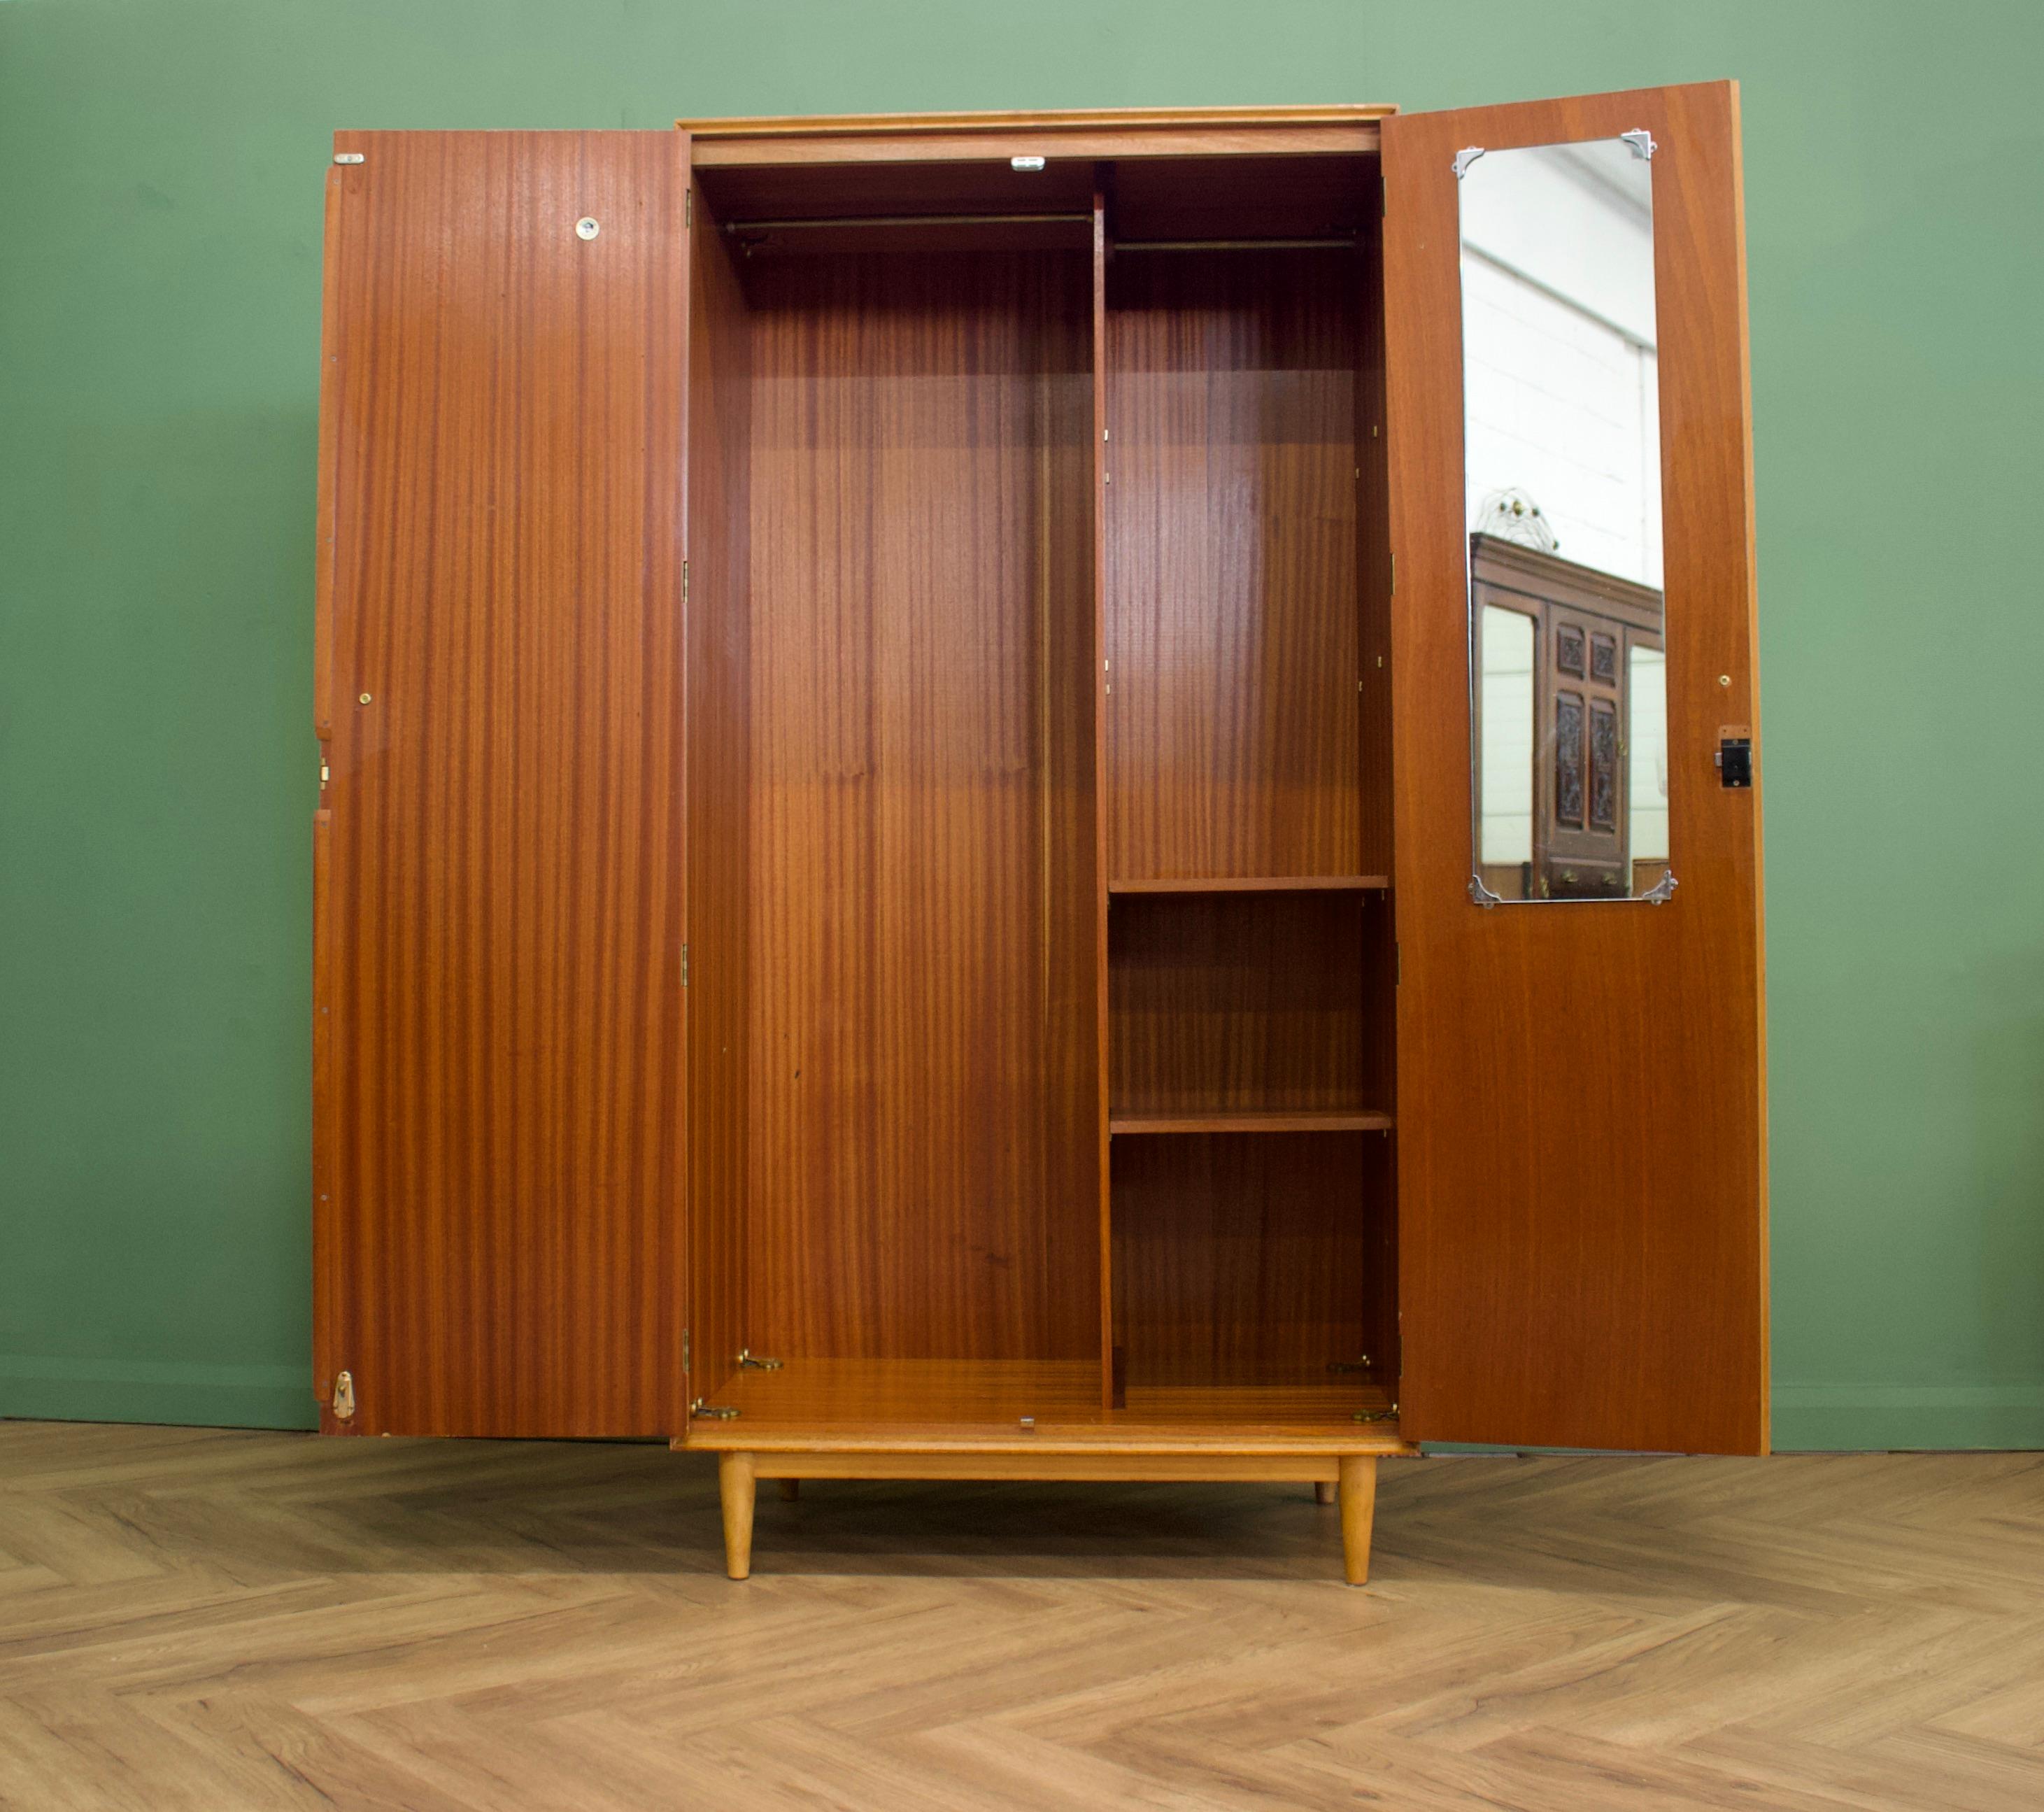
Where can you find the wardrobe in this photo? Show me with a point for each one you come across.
(900, 869)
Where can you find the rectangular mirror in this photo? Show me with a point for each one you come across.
(1561, 469)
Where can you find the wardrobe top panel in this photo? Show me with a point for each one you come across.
(1137, 132)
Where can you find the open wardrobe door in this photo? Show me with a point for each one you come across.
(497, 1075)
(1580, 1027)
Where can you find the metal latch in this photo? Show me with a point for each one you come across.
(748, 1360)
(1389, 1415)
(703, 1412)
(344, 1396)
(1734, 760)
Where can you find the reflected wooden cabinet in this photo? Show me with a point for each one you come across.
(893, 886)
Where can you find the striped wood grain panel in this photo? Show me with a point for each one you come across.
(1226, 1002)
(1582, 1136)
(499, 1095)
(1231, 528)
(924, 1081)
(1248, 1259)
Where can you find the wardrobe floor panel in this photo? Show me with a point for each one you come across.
(878, 1405)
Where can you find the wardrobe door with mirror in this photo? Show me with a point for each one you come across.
(1581, 1043)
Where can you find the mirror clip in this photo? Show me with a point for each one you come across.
(1643, 144)
(1481, 894)
(1465, 158)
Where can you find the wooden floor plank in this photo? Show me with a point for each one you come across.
(214, 1619)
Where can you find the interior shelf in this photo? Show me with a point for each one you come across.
(1271, 1120)
(1255, 884)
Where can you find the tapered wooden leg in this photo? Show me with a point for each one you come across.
(791, 1489)
(1358, 1508)
(735, 1485)
(1324, 1491)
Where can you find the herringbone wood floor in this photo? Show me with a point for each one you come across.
(198, 1619)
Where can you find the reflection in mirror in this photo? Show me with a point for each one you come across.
(1562, 456)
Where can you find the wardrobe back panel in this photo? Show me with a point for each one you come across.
(1231, 564)
(1249, 1258)
(1229, 1003)
(924, 1168)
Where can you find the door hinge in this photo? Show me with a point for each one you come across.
(703, 1412)
(747, 1359)
(685, 965)
(344, 1396)
(688, 207)
(1397, 964)
(685, 582)
(686, 1366)
(1394, 573)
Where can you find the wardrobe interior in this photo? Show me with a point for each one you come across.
(1041, 959)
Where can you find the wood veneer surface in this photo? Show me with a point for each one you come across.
(1241, 1257)
(924, 1076)
(499, 1075)
(882, 139)
(1232, 543)
(1581, 1164)
(935, 1405)
(1236, 1003)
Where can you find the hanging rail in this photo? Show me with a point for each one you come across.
(741, 229)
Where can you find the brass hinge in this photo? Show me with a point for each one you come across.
(703, 1412)
(685, 965)
(686, 1368)
(685, 582)
(1389, 1415)
(747, 1361)
(1394, 575)
(344, 1396)
(688, 207)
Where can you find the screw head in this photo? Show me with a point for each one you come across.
(1724, 678)
(363, 699)
(586, 228)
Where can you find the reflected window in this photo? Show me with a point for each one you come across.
(1563, 471)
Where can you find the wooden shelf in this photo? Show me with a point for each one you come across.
(1257, 884)
(935, 1406)
(1274, 1120)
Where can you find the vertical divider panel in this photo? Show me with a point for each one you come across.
(719, 772)
(1379, 929)
(1110, 1378)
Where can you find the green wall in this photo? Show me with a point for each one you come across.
(160, 183)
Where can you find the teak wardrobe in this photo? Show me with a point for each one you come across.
(893, 874)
